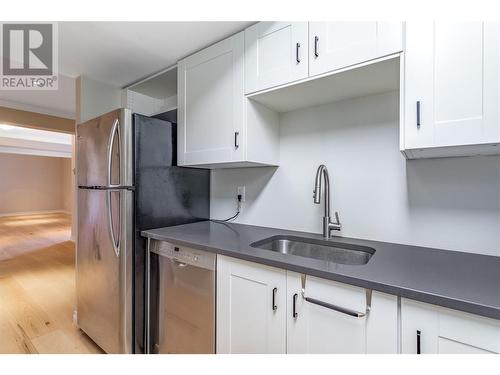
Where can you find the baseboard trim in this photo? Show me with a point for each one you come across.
(26, 213)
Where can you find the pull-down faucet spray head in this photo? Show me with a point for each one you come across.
(317, 184)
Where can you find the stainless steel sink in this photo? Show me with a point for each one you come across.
(329, 251)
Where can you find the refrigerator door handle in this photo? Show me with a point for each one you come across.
(115, 241)
(114, 131)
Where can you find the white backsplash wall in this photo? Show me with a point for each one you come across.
(449, 203)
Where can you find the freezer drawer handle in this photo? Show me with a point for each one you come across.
(114, 240)
(114, 131)
(339, 309)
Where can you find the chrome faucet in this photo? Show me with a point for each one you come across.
(328, 225)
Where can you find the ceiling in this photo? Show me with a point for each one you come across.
(116, 53)
(120, 53)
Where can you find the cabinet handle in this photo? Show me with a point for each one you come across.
(294, 306)
(274, 299)
(236, 143)
(418, 341)
(297, 57)
(316, 52)
(418, 114)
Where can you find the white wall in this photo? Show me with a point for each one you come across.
(451, 203)
(95, 98)
(33, 183)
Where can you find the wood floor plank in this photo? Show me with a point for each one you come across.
(37, 287)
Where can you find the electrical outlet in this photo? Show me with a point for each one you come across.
(241, 191)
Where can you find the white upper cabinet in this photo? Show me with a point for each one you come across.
(275, 53)
(211, 104)
(451, 89)
(251, 308)
(428, 329)
(336, 45)
(218, 126)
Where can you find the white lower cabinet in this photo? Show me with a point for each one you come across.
(256, 313)
(251, 307)
(429, 329)
(323, 321)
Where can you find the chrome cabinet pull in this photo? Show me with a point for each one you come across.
(294, 306)
(316, 51)
(236, 143)
(297, 57)
(418, 341)
(418, 114)
(274, 299)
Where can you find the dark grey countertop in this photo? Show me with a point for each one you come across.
(458, 280)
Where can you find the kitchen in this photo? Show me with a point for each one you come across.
(288, 117)
(295, 188)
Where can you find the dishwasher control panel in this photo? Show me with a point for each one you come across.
(184, 255)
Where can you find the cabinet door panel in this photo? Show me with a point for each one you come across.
(246, 320)
(275, 54)
(453, 70)
(458, 82)
(335, 45)
(446, 331)
(211, 104)
(418, 86)
(317, 329)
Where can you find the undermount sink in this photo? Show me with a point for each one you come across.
(326, 250)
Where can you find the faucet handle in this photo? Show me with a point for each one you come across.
(337, 219)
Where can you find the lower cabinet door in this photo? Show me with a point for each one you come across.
(317, 329)
(251, 307)
(429, 329)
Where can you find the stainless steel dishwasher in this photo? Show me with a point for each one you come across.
(181, 299)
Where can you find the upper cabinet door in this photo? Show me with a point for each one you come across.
(275, 53)
(211, 104)
(336, 45)
(451, 83)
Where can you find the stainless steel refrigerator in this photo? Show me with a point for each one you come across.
(128, 181)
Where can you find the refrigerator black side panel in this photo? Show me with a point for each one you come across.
(165, 195)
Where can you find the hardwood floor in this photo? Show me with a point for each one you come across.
(37, 286)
